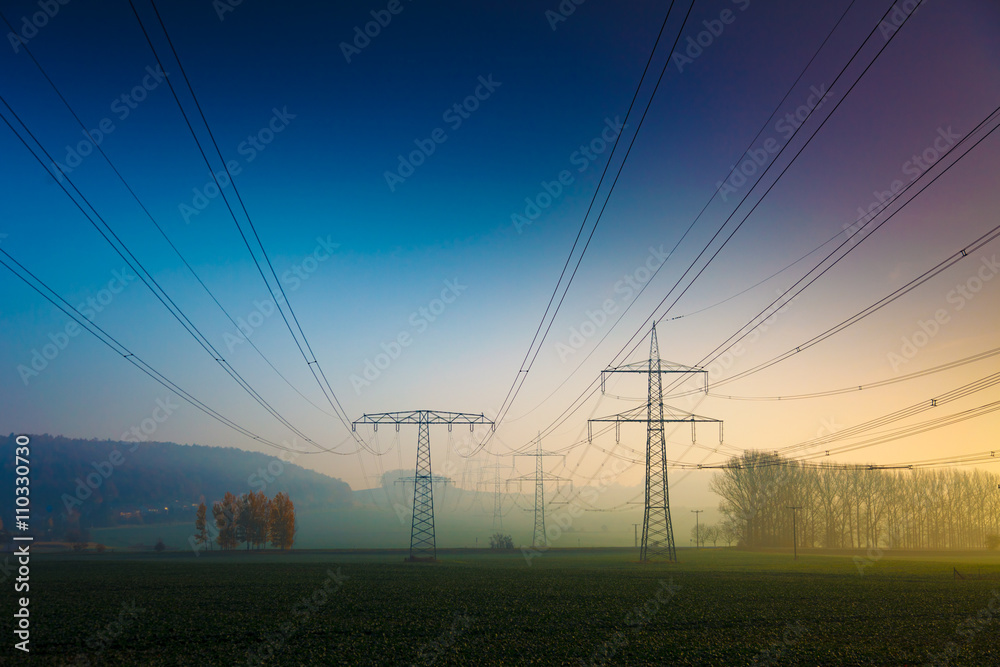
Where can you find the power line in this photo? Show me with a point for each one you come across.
(110, 341)
(153, 220)
(955, 394)
(590, 391)
(782, 297)
(862, 387)
(309, 357)
(522, 372)
(591, 388)
(697, 217)
(133, 262)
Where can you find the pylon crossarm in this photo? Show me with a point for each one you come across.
(423, 417)
(665, 367)
(666, 420)
(432, 479)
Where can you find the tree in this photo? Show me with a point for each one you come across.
(80, 537)
(281, 521)
(224, 512)
(258, 508)
(201, 525)
(160, 547)
(993, 542)
(501, 541)
(244, 520)
(728, 532)
(710, 534)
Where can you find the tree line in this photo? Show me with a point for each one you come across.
(251, 518)
(852, 508)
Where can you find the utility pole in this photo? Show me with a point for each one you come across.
(635, 531)
(795, 548)
(657, 529)
(538, 536)
(697, 530)
(423, 546)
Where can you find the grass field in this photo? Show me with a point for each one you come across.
(715, 607)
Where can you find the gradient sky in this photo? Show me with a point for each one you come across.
(323, 178)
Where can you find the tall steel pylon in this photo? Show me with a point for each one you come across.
(497, 494)
(423, 545)
(657, 529)
(538, 534)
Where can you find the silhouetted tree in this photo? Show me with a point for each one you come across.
(501, 541)
(856, 507)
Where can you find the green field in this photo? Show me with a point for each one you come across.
(715, 607)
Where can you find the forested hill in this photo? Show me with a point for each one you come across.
(109, 483)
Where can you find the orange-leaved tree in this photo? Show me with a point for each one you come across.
(201, 525)
(225, 513)
(259, 509)
(281, 522)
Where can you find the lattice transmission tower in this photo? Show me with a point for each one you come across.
(423, 546)
(538, 534)
(498, 493)
(657, 529)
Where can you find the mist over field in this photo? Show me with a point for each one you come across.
(543, 332)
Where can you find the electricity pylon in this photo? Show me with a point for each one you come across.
(423, 546)
(657, 529)
(538, 535)
(497, 494)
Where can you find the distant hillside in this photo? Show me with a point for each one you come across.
(111, 483)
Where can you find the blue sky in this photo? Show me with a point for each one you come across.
(313, 135)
